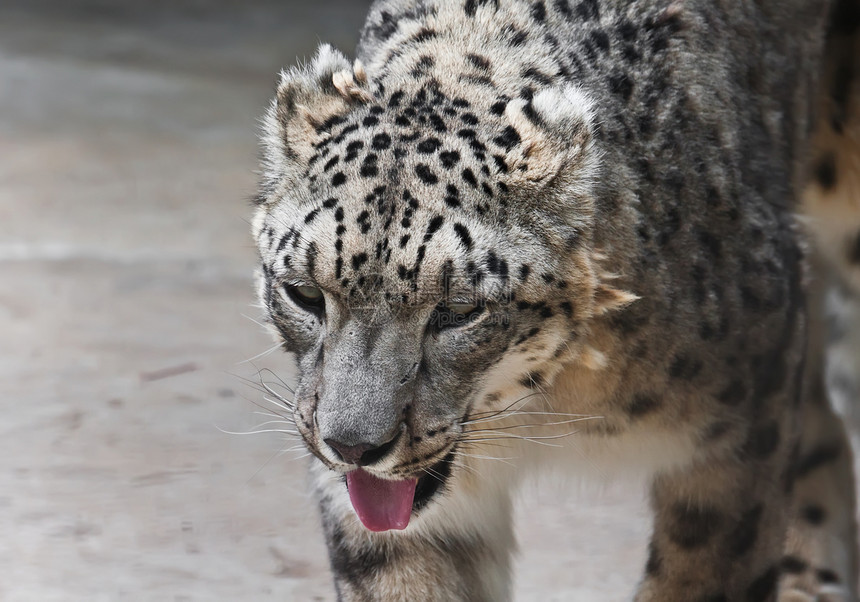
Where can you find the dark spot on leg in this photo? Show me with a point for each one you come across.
(655, 562)
(693, 527)
(743, 536)
(819, 456)
(813, 514)
(827, 576)
(762, 441)
(793, 565)
(763, 587)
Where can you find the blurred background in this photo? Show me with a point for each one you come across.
(128, 144)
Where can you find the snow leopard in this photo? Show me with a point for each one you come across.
(603, 224)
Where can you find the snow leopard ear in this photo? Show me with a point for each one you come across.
(309, 100)
(555, 132)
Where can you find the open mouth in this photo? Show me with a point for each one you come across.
(432, 481)
(383, 505)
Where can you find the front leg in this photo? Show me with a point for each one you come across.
(719, 526)
(457, 547)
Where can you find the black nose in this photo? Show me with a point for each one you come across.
(362, 454)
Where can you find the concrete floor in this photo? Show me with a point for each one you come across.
(127, 132)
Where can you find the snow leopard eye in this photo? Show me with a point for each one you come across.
(450, 314)
(309, 298)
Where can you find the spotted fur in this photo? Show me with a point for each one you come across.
(611, 188)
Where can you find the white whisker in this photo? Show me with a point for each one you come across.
(518, 413)
(259, 355)
(268, 422)
(461, 464)
(270, 414)
(278, 404)
(257, 432)
(537, 424)
(433, 473)
(482, 457)
(255, 321)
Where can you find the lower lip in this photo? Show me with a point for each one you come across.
(432, 482)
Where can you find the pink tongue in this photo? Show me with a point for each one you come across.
(380, 505)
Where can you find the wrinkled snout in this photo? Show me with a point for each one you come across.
(364, 393)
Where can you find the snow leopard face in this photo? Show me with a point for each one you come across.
(407, 261)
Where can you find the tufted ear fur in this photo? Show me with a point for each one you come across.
(555, 131)
(308, 98)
